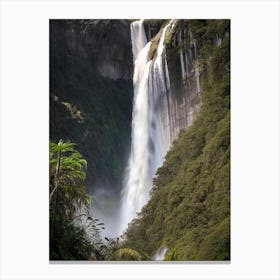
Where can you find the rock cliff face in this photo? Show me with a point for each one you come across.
(105, 43)
(184, 71)
(110, 46)
(182, 74)
(152, 27)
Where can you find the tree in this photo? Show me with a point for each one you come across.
(68, 200)
(67, 172)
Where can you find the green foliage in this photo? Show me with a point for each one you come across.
(74, 234)
(67, 171)
(128, 254)
(190, 202)
(216, 245)
(205, 31)
(68, 240)
(171, 256)
(105, 249)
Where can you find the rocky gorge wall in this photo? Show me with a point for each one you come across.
(182, 73)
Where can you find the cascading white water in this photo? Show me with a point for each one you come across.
(150, 122)
(136, 180)
(159, 117)
(160, 254)
(138, 38)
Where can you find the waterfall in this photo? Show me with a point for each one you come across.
(160, 254)
(183, 71)
(138, 37)
(150, 122)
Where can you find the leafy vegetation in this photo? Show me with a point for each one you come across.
(74, 233)
(67, 197)
(189, 208)
(66, 174)
(128, 254)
